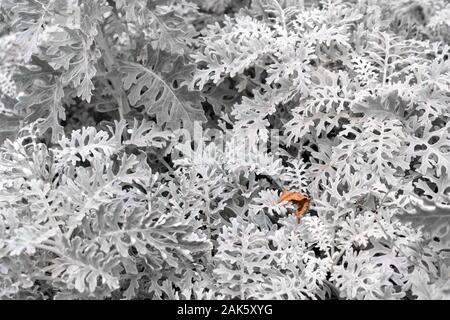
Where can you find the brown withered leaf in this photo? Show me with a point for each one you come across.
(300, 200)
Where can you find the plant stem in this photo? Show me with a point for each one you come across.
(111, 74)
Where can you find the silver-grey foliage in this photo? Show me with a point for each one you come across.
(146, 144)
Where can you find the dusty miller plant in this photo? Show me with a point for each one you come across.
(124, 173)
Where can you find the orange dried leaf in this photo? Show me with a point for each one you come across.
(302, 208)
(300, 200)
(291, 196)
